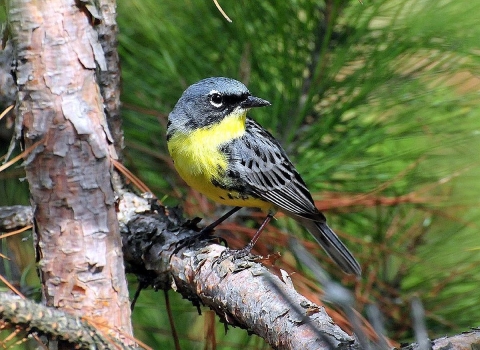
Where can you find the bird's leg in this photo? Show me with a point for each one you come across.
(256, 236)
(241, 253)
(205, 232)
(217, 222)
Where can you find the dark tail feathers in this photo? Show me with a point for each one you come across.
(333, 246)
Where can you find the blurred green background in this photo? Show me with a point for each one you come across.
(376, 104)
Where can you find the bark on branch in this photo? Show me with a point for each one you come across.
(38, 319)
(242, 296)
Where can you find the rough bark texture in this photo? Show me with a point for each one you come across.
(109, 79)
(15, 217)
(8, 92)
(59, 103)
(465, 341)
(37, 319)
(246, 297)
(244, 294)
(251, 297)
(7, 85)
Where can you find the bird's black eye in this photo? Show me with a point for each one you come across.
(216, 100)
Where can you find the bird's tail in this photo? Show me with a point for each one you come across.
(333, 246)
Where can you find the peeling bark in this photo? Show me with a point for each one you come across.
(246, 296)
(109, 79)
(15, 217)
(243, 294)
(59, 104)
(8, 92)
(40, 320)
(8, 89)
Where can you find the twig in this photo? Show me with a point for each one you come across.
(20, 156)
(5, 112)
(221, 11)
(170, 320)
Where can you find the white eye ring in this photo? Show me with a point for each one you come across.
(216, 99)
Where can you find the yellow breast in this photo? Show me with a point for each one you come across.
(200, 163)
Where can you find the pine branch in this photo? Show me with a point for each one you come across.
(35, 318)
(244, 295)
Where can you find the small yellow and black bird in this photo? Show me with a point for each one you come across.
(231, 159)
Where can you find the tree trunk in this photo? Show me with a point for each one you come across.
(60, 107)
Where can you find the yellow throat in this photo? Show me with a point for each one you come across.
(203, 166)
(196, 154)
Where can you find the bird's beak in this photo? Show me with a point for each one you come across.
(253, 101)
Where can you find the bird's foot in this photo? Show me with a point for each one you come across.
(235, 254)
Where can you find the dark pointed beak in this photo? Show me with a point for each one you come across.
(253, 101)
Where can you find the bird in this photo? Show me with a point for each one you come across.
(224, 154)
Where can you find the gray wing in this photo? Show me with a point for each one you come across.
(263, 170)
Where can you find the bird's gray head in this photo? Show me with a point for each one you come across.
(209, 101)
